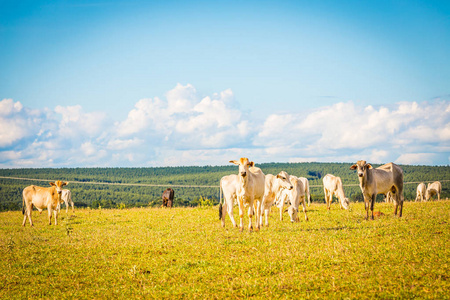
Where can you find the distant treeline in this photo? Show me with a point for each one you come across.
(113, 196)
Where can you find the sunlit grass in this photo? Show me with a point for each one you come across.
(185, 253)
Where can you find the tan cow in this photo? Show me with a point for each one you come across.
(250, 189)
(295, 196)
(228, 187)
(41, 198)
(273, 185)
(434, 188)
(332, 185)
(388, 177)
(421, 190)
(66, 197)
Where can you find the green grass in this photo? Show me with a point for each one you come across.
(185, 253)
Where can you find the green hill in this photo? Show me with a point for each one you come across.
(189, 182)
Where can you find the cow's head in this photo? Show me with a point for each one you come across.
(283, 180)
(345, 203)
(244, 166)
(58, 184)
(293, 214)
(361, 166)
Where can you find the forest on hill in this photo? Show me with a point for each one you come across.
(130, 187)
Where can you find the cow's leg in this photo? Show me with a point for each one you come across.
(250, 215)
(230, 213)
(55, 212)
(224, 209)
(304, 209)
(372, 202)
(49, 215)
(241, 214)
(281, 206)
(366, 204)
(29, 209)
(72, 204)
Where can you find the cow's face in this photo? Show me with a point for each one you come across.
(346, 203)
(293, 214)
(244, 166)
(283, 180)
(58, 184)
(361, 166)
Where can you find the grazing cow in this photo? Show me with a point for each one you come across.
(332, 185)
(434, 188)
(167, 197)
(228, 187)
(41, 198)
(421, 190)
(66, 196)
(295, 196)
(273, 185)
(386, 178)
(249, 190)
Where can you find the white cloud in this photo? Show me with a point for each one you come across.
(186, 128)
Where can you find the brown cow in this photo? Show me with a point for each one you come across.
(42, 198)
(386, 178)
(167, 197)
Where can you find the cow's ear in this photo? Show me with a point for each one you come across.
(65, 183)
(252, 164)
(52, 184)
(353, 167)
(369, 166)
(234, 162)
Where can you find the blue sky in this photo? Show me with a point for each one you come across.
(87, 80)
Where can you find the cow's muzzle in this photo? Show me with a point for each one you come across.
(360, 174)
(59, 192)
(243, 174)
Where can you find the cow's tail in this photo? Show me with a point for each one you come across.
(220, 200)
(23, 204)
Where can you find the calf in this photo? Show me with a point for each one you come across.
(296, 196)
(42, 198)
(66, 196)
(332, 185)
(386, 178)
(421, 190)
(249, 190)
(228, 187)
(273, 185)
(434, 188)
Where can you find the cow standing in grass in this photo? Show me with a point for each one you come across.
(167, 197)
(42, 198)
(273, 186)
(434, 188)
(66, 197)
(421, 190)
(250, 189)
(386, 178)
(228, 187)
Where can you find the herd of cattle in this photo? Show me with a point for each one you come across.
(253, 190)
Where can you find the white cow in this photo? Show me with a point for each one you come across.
(295, 197)
(250, 189)
(42, 198)
(332, 185)
(306, 185)
(386, 178)
(66, 196)
(273, 185)
(421, 190)
(434, 188)
(228, 187)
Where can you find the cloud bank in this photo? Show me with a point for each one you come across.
(185, 128)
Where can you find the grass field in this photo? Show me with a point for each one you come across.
(185, 253)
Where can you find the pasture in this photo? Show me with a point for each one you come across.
(184, 253)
